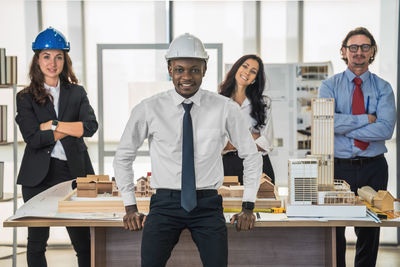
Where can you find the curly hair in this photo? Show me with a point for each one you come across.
(254, 92)
(36, 86)
(360, 31)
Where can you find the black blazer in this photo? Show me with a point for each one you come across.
(73, 106)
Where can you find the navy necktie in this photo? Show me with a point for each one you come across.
(188, 194)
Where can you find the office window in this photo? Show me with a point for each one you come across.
(212, 22)
(324, 31)
(117, 23)
(273, 31)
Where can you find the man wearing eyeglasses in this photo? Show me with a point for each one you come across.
(365, 116)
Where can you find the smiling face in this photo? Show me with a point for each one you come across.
(51, 63)
(247, 72)
(187, 75)
(358, 61)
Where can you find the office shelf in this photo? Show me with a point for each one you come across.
(13, 87)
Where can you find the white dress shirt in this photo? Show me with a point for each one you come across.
(159, 118)
(58, 150)
(266, 139)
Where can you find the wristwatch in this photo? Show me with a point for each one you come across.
(248, 205)
(54, 125)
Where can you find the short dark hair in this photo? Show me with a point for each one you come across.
(360, 31)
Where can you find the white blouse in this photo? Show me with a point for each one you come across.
(58, 150)
(266, 139)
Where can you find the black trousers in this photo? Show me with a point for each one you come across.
(233, 166)
(373, 173)
(167, 219)
(38, 236)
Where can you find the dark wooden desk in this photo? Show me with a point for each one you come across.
(275, 243)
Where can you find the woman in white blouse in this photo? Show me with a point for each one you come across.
(245, 84)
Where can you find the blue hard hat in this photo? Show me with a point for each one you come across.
(50, 39)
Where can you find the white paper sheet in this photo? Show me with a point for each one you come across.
(44, 204)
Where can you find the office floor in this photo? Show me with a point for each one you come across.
(64, 256)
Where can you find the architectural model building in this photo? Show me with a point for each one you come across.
(313, 190)
(236, 190)
(115, 191)
(267, 189)
(382, 199)
(322, 134)
(224, 191)
(142, 187)
(231, 180)
(88, 187)
(303, 178)
(92, 185)
(340, 194)
(232, 188)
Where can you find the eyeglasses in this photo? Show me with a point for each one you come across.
(354, 48)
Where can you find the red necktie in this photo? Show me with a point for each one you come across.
(358, 107)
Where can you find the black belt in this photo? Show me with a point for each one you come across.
(231, 154)
(358, 160)
(234, 154)
(200, 193)
(57, 159)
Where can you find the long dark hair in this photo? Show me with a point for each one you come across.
(253, 91)
(36, 87)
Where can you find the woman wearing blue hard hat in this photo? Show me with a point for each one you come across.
(53, 114)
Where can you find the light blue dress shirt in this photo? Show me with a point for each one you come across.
(378, 100)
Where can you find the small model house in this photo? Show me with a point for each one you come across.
(104, 185)
(231, 180)
(237, 190)
(267, 188)
(115, 192)
(383, 200)
(142, 187)
(224, 191)
(92, 185)
(87, 189)
(232, 188)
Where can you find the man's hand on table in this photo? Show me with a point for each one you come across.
(244, 220)
(133, 219)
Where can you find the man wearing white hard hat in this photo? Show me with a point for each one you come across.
(186, 129)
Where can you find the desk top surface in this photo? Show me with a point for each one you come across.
(38, 222)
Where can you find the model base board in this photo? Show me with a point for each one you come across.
(110, 204)
(349, 211)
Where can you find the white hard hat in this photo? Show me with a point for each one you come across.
(186, 46)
